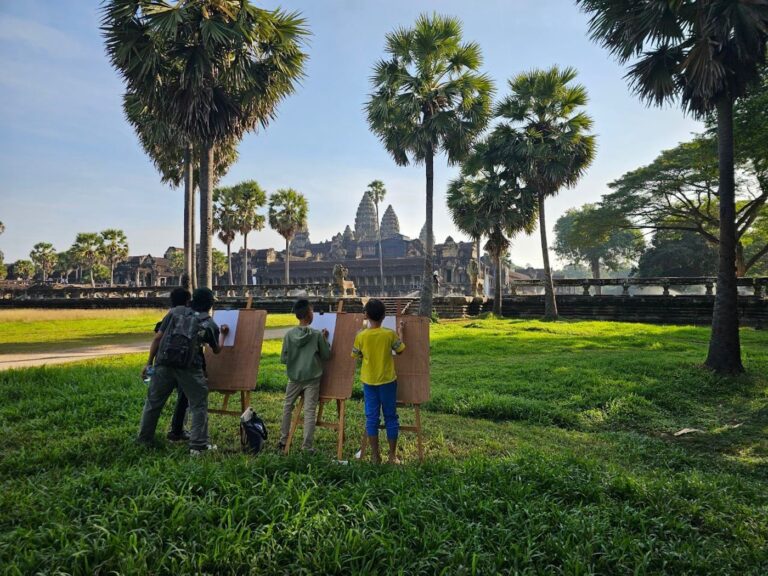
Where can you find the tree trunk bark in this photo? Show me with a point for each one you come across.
(479, 266)
(741, 266)
(189, 216)
(111, 274)
(724, 355)
(206, 217)
(550, 304)
(93, 279)
(595, 265)
(245, 259)
(287, 261)
(229, 261)
(193, 248)
(497, 289)
(381, 256)
(425, 303)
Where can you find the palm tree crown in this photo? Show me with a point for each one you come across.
(700, 51)
(287, 215)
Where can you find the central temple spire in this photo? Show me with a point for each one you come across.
(366, 227)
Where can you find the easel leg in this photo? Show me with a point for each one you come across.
(294, 425)
(419, 442)
(340, 409)
(245, 400)
(225, 403)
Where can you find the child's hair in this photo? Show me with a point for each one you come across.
(202, 300)
(180, 297)
(301, 308)
(375, 310)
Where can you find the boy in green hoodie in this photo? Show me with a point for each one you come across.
(304, 350)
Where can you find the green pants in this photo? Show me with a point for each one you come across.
(165, 380)
(311, 390)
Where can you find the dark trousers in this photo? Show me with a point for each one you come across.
(179, 412)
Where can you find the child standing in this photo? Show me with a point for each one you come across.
(374, 346)
(303, 353)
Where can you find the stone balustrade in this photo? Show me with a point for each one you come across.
(629, 286)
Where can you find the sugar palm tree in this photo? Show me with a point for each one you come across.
(44, 257)
(704, 53)
(544, 121)
(428, 97)
(463, 203)
(175, 158)
(225, 222)
(501, 206)
(248, 197)
(212, 69)
(88, 251)
(287, 215)
(115, 249)
(378, 192)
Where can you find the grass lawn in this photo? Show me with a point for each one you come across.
(550, 449)
(38, 330)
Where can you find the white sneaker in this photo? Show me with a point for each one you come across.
(199, 451)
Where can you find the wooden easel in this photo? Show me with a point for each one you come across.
(338, 425)
(336, 384)
(248, 381)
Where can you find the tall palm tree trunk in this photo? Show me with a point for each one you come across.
(229, 261)
(724, 354)
(287, 261)
(381, 256)
(425, 304)
(245, 259)
(193, 247)
(111, 274)
(206, 216)
(497, 295)
(479, 274)
(595, 265)
(189, 211)
(93, 279)
(550, 304)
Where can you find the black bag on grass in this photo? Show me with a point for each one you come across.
(253, 432)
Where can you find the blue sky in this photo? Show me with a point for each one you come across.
(70, 163)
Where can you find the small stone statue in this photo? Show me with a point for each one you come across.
(344, 286)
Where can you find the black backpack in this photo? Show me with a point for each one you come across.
(253, 432)
(181, 338)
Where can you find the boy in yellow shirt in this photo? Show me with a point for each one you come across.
(374, 346)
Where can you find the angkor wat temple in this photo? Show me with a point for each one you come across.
(358, 251)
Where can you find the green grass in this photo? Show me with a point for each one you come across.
(550, 449)
(36, 330)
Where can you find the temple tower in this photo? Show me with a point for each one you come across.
(366, 227)
(390, 224)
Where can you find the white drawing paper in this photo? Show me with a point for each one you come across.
(228, 317)
(327, 321)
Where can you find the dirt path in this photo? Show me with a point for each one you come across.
(8, 361)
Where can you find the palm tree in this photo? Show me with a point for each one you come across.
(706, 53)
(225, 222)
(176, 160)
(287, 215)
(115, 249)
(545, 123)
(463, 203)
(212, 69)
(2, 229)
(248, 197)
(219, 264)
(44, 257)
(429, 97)
(88, 251)
(501, 207)
(378, 192)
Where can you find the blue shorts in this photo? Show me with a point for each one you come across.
(381, 399)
